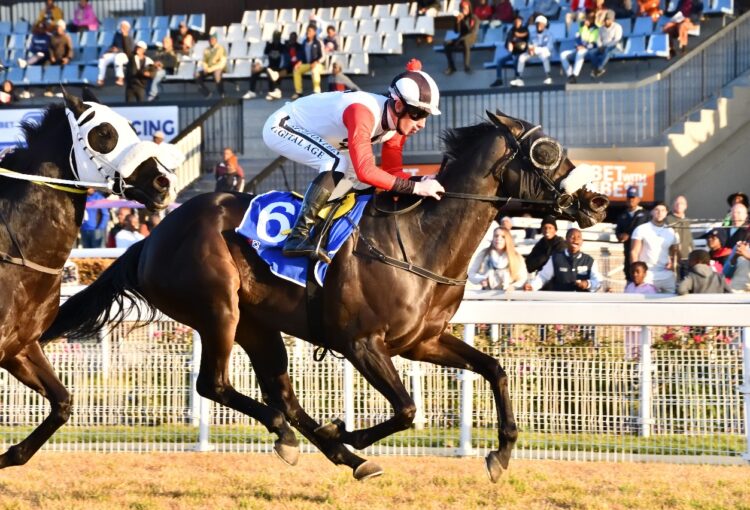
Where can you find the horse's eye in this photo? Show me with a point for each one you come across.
(103, 138)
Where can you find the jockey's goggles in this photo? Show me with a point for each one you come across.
(416, 113)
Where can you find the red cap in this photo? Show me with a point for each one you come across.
(414, 65)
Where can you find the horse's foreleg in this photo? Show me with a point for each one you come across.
(449, 351)
(370, 357)
(33, 369)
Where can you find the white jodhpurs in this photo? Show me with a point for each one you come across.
(118, 59)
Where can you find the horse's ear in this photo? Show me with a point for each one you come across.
(88, 95)
(502, 120)
(74, 104)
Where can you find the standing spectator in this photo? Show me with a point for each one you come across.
(504, 12)
(122, 213)
(702, 279)
(330, 41)
(656, 244)
(49, 15)
(84, 18)
(7, 93)
(311, 61)
(516, 42)
(183, 40)
(637, 283)
(213, 64)
(60, 46)
(610, 35)
(546, 246)
(540, 45)
(158, 137)
(129, 234)
(499, 266)
(165, 62)
(116, 55)
(229, 174)
(681, 225)
(138, 73)
(38, 50)
(587, 38)
(634, 216)
(338, 81)
(569, 270)
(738, 267)
(716, 239)
(467, 28)
(738, 230)
(94, 226)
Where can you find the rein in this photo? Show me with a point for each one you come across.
(22, 261)
(51, 182)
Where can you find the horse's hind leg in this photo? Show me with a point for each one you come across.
(449, 351)
(33, 369)
(269, 358)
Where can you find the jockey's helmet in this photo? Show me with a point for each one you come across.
(417, 90)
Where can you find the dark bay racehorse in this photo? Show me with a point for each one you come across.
(197, 270)
(38, 227)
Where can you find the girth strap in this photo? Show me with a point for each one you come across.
(21, 261)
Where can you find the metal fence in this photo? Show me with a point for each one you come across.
(604, 392)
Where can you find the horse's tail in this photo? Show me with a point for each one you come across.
(90, 310)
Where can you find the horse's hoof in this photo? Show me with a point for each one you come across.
(289, 454)
(331, 430)
(494, 466)
(368, 469)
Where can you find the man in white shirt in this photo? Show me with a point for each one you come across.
(129, 234)
(657, 245)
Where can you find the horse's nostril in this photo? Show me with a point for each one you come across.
(162, 183)
(599, 203)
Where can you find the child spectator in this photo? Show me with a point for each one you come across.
(338, 81)
(540, 45)
(229, 174)
(638, 285)
(7, 93)
(499, 266)
(330, 41)
(702, 279)
(738, 267)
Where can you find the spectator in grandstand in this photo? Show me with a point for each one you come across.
(546, 246)
(621, 8)
(229, 174)
(650, 8)
(140, 69)
(129, 234)
(116, 55)
(550, 9)
(165, 62)
(503, 12)
(738, 230)
(678, 28)
(600, 13)
(158, 137)
(579, 9)
(716, 239)
(737, 267)
(656, 244)
(257, 72)
(634, 216)
(681, 225)
(7, 93)
(507, 223)
(637, 283)
(587, 38)
(569, 270)
(467, 28)
(427, 8)
(732, 199)
(121, 214)
(38, 50)
(60, 45)
(702, 279)
(84, 18)
(183, 40)
(516, 42)
(338, 81)
(540, 45)
(293, 51)
(499, 266)
(94, 226)
(311, 60)
(213, 64)
(313, 129)
(610, 36)
(49, 15)
(331, 40)
(483, 11)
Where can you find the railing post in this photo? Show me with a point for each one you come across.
(195, 364)
(745, 388)
(645, 382)
(494, 333)
(467, 400)
(349, 394)
(416, 395)
(103, 335)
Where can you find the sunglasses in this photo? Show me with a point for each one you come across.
(415, 113)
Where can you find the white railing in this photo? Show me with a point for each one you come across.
(190, 170)
(614, 398)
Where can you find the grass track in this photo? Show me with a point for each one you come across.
(218, 481)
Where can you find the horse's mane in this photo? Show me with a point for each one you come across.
(458, 141)
(33, 131)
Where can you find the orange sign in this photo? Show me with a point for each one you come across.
(612, 178)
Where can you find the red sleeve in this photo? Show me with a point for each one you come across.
(359, 122)
(391, 156)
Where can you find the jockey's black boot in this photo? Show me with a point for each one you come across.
(299, 243)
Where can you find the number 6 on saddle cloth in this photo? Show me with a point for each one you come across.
(269, 219)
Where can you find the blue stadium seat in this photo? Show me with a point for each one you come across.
(495, 36)
(142, 22)
(17, 42)
(110, 24)
(52, 75)
(90, 74)
(89, 39)
(719, 7)
(175, 20)
(11, 57)
(627, 26)
(3, 42)
(144, 35)
(557, 31)
(160, 22)
(643, 26)
(15, 75)
(635, 47)
(105, 38)
(71, 74)
(6, 27)
(87, 55)
(658, 45)
(21, 27)
(158, 37)
(197, 22)
(33, 75)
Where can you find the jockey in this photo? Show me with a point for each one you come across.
(314, 130)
